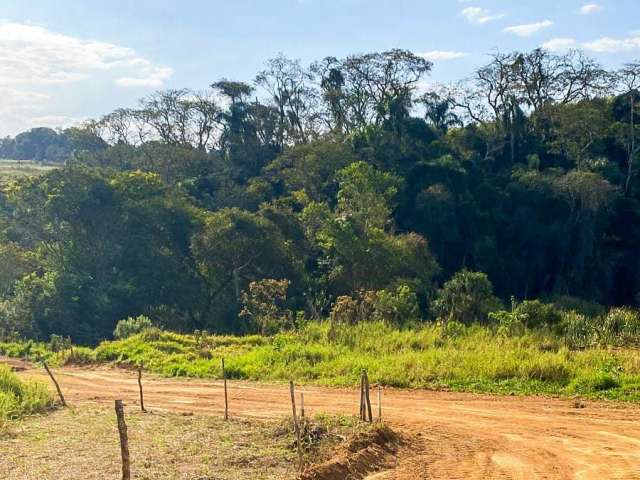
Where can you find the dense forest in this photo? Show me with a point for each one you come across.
(313, 188)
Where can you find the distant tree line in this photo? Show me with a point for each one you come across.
(334, 179)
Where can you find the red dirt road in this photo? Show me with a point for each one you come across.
(450, 435)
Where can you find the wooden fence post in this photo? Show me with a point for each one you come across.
(379, 403)
(362, 401)
(46, 367)
(367, 398)
(301, 404)
(140, 387)
(226, 398)
(296, 426)
(124, 441)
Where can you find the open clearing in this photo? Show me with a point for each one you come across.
(448, 435)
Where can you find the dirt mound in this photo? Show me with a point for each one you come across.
(366, 453)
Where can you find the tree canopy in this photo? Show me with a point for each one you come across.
(333, 179)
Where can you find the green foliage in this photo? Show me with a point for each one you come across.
(469, 358)
(467, 297)
(19, 398)
(331, 180)
(399, 306)
(263, 305)
(617, 327)
(132, 326)
(537, 314)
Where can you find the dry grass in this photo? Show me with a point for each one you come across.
(82, 443)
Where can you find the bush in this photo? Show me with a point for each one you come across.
(579, 305)
(396, 307)
(510, 324)
(467, 297)
(619, 327)
(132, 326)
(263, 305)
(537, 314)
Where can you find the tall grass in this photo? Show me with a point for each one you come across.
(472, 358)
(19, 398)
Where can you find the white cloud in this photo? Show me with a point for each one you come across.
(613, 45)
(34, 60)
(601, 45)
(589, 8)
(528, 29)
(479, 15)
(560, 44)
(155, 79)
(439, 55)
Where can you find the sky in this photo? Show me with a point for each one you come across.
(63, 61)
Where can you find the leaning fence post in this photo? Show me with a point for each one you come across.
(226, 398)
(296, 426)
(301, 404)
(124, 441)
(140, 387)
(53, 379)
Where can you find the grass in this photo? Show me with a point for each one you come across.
(83, 444)
(475, 359)
(19, 398)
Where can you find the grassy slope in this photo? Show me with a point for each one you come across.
(475, 359)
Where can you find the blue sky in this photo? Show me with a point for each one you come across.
(65, 60)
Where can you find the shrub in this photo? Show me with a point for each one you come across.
(620, 326)
(579, 305)
(510, 324)
(390, 306)
(263, 305)
(538, 314)
(467, 297)
(132, 326)
(352, 310)
(396, 307)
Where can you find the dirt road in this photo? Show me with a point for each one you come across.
(452, 435)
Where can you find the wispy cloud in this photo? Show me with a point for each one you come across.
(589, 8)
(440, 55)
(560, 44)
(528, 29)
(479, 16)
(34, 59)
(600, 45)
(613, 45)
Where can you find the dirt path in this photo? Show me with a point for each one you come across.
(451, 435)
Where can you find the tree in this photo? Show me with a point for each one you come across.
(467, 297)
(263, 306)
(294, 98)
(234, 248)
(629, 80)
(365, 89)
